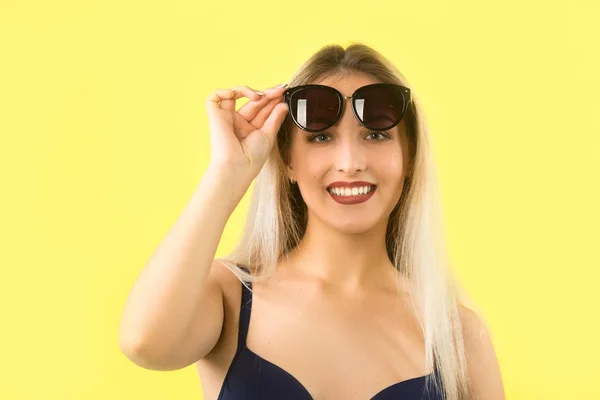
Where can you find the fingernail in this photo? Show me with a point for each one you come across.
(261, 93)
(282, 85)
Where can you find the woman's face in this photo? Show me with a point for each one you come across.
(349, 152)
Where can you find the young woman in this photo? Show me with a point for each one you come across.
(340, 286)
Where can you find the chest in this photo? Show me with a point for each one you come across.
(350, 347)
(334, 347)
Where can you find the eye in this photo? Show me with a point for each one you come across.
(385, 135)
(318, 135)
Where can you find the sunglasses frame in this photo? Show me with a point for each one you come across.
(403, 90)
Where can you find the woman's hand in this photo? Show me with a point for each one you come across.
(243, 139)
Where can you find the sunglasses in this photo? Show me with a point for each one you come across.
(315, 108)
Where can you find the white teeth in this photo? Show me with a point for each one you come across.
(343, 192)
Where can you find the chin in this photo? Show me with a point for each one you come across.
(353, 227)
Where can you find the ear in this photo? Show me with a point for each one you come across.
(290, 171)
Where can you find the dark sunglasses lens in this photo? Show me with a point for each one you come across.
(380, 107)
(314, 108)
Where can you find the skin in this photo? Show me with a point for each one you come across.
(344, 245)
(331, 316)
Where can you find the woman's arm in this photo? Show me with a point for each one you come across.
(174, 313)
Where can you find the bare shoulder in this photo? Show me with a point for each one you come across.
(225, 278)
(473, 325)
(482, 362)
(229, 284)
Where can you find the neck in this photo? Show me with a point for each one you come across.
(357, 261)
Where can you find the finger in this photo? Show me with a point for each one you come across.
(260, 141)
(242, 91)
(277, 90)
(264, 112)
(249, 110)
(224, 99)
(252, 108)
(275, 119)
(214, 100)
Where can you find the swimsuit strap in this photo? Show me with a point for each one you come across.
(245, 309)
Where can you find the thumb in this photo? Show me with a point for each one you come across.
(273, 123)
(260, 141)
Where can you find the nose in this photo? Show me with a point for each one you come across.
(350, 157)
(350, 154)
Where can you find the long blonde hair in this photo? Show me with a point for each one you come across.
(277, 219)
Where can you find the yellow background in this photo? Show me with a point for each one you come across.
(104, 138)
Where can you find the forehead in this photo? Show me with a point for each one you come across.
(347, 83)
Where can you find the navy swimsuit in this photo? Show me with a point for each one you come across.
(251, 377)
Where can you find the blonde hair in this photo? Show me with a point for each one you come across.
(277, 219)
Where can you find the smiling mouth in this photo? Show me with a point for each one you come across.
(348, 192)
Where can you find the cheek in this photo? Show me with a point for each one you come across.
(389, 162)
(314, 166)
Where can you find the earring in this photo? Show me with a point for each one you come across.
(292, 181)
